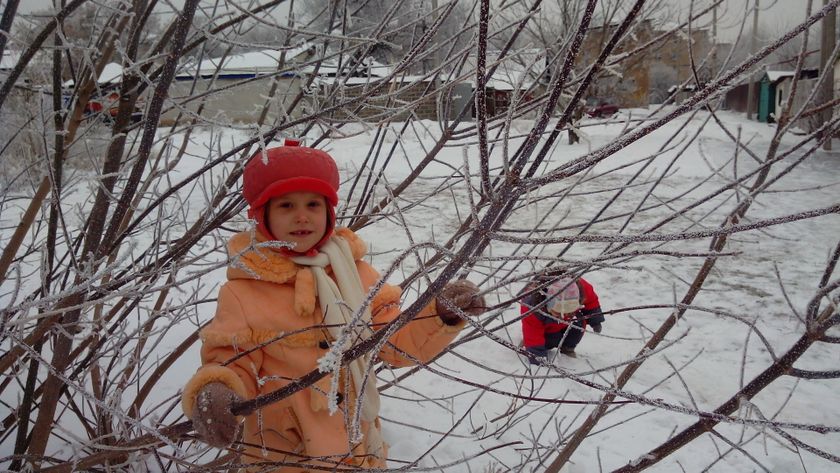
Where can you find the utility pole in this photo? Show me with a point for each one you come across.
(714, 69)
(829, 38)
(435, 45)
(751, 85)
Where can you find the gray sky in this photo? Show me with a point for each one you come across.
(776, 15)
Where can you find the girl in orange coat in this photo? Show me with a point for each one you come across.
(294, 301)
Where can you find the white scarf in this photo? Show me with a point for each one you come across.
(338, 304)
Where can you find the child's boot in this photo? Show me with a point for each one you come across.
(568, 351)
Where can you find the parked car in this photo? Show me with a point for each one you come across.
(603, 110)
(107, 104)
(105, 107)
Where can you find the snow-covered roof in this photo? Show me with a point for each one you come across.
(111, 74)
(505, 79)
(520, 69)
(505, 84)
(251, 63)
(664, 26)
(365, 80)
(776, 75)
(372, 68)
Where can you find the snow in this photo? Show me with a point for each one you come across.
(751, 291)
(112, 72)
(326, 79)
(255, 62)
(712, 352)
(773, 76)
(518, 72)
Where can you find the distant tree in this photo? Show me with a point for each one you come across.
(662, 78)
(80, 32)
(395, 25)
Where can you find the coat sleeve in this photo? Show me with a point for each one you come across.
(226, 353)
(533, 330)
(422, 338)
(591, 311)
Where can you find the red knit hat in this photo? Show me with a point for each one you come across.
(290, 168)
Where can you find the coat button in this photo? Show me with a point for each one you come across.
(323, 344)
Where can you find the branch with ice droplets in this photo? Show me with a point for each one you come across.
(814, 303)
(790, 438)
(459, 258)
(752, 389)
(808, 374)
(712, 90)
(563, 374)
(111, 409)
(725, 230)
(485, 387)
(779, 368)
(631, 397)
(635, 398)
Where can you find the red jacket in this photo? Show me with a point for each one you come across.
(537, 322)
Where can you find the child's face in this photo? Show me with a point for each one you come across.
(299, 218)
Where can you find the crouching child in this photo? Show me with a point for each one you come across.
(556, 312)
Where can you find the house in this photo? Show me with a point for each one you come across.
(659, 57)
(516, 77)
(237, 87)
(774, 90)
(736, 98)
(336, 83)
(626, 84)
(678, 48)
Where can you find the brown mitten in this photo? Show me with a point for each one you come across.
(462, 294)
(211, 416)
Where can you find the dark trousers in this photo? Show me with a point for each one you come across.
(570, 336)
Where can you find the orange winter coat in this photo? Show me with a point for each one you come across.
(268, 314)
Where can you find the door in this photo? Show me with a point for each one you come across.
(764, 100)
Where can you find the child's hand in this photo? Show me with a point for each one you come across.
(211, 416)
(462, 294)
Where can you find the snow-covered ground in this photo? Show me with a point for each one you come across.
(711, 352)
(713, 355)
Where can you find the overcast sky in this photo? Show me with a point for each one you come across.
(776, 15)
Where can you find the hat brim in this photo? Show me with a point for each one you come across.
(297, 184)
